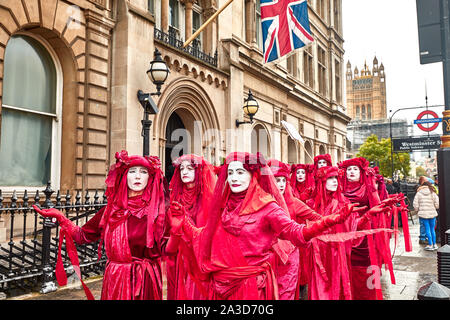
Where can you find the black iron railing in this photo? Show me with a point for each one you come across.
(193, 49)
(28, 256)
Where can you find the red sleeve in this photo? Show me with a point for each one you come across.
(304, 213)
(90, 231)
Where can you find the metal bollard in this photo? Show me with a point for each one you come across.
(443, 264)
(433, 291)
(48, 284)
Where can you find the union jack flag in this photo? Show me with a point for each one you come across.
(285, 27)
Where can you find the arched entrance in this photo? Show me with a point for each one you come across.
(185, 123)
(260, 141)
(292, 151)
(171, 147)
(308, 150)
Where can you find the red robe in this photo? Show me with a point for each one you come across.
(241, 263)
(133, 271)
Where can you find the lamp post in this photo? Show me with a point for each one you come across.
(157, 73)
(250, 108)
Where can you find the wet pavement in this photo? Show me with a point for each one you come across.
(412, 270)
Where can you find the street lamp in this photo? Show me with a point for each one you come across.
(250, 108)
(158, 74)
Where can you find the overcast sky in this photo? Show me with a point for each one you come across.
(388, 29)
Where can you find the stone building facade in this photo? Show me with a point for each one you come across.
(93, 57)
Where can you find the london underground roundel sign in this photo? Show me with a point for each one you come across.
(432, 119)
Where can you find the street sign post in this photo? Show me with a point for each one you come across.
(411, 144)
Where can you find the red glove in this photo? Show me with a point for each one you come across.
(177, 215)
(57, 215)
(319, 226)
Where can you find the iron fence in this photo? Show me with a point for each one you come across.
(29, 248)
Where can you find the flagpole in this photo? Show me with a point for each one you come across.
(306, 151)
(203, 26)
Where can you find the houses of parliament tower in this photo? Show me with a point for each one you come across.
(366, 92)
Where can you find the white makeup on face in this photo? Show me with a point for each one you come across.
(322, 163)
(238, 178)
(137, 178)
(332, 184)
(353, 173)
(301, 175)
(281, 183)
(187, 172)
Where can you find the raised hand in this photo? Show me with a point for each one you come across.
(52, 213)
(177, 214)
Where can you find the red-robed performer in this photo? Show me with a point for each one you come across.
(192, 185)
(288, 274)
(245, 220)
(331, 256)
(322, 160)
(302, 181)
(133, 227)
(358, 183)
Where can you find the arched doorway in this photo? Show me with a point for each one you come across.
(322, 150)
(308, 150)
(260, 141)
(292, 151)
(172, 147)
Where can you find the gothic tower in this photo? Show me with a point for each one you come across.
(366, 92)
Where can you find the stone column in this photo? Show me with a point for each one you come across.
(188, 18)
(165, 15)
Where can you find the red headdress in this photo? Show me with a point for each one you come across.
(323, 197)
(152, 203)
(357, 191)
(261, 191)
(200, 195)
(279, 169)
(299, 188)
(325, 157)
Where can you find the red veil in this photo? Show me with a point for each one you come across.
(154, 195)
(365, 193)
(325, 157)
(205, 181)
(330, 262)
(216, 249)
(304, 190)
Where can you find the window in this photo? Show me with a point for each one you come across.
(292, 65)
(197, 23)
(322, 70)
(369, 112)
(151, 6)
(174, 14)
(258, 25)
(358, 113)
(30, 132)
(363, 113)
(337, 10)
(337, 80)
(321, 8)
(308, 70)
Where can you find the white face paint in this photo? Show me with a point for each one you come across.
(322, 163)
(238, 177)
(187, 172)
(301, 175)
(353, 173)
(137, 178)
(281, 183)
(332, 184)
